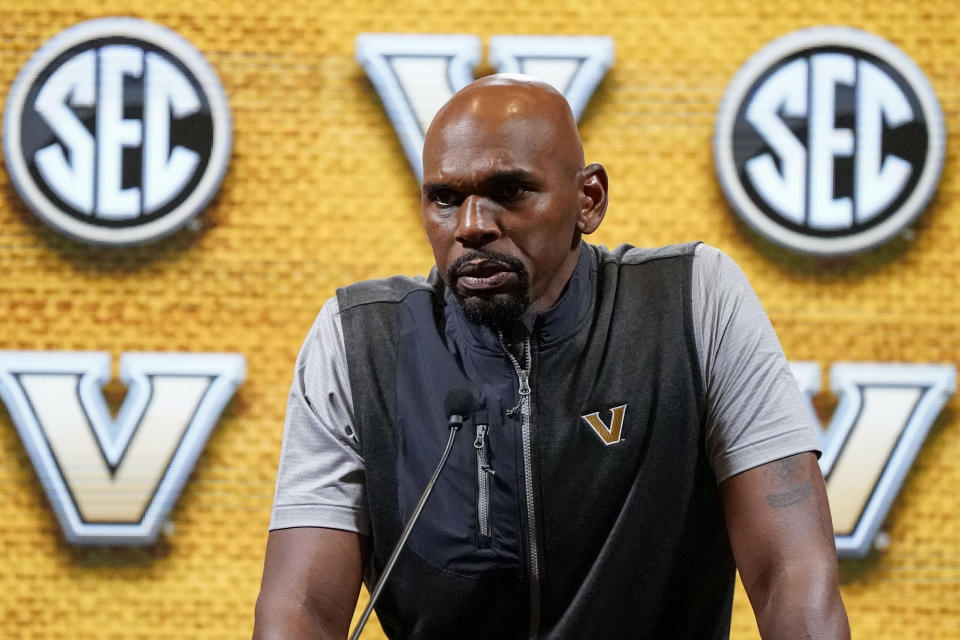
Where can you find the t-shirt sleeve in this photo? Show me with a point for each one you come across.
(320, 478)
(755, 412)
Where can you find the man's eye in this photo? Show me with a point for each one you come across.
(444, 198)
(508, 192)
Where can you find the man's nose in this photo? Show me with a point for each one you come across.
(476, 222)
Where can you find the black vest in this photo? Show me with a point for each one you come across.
(629, 535)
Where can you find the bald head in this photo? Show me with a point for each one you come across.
(506, 196)
(507, 108)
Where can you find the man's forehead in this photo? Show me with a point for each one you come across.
(473, 145)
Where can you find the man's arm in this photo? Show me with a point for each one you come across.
(317, 545)
(782, 539)
(757, 423)
(311, 578)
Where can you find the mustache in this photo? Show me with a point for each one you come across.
(511, 262)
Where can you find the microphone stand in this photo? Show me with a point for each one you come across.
(455, 422)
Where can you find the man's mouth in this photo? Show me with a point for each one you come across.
(485, 277)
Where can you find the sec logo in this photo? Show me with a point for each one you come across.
(116, 132)
(829, 141)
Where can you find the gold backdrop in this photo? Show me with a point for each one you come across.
(319, 194)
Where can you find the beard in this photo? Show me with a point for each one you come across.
(499, 310)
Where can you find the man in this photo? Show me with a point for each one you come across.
(638, 429)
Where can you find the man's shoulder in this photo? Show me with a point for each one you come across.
(629, 254)
(393, 289)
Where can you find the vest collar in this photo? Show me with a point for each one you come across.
(552, 326)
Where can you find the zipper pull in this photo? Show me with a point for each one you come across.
(480, 444)
(481, 432)
(524, 375)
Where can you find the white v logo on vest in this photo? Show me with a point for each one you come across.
(608, 435)
(416, 74)
(883, 416)
(113, 481)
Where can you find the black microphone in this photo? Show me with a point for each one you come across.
(458, 404)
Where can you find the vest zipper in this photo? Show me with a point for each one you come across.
(533, 553)
(484, 471)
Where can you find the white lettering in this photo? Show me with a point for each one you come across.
(782, 190)
(72, 83)
(165, 172)
(827, 142)
(114, 132)
(879, 180)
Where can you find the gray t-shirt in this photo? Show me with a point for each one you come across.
(755, 412)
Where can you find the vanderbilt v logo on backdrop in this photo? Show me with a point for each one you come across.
(416, 74)
(883, 416)
(113, 481)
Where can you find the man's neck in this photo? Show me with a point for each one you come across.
(548, 299)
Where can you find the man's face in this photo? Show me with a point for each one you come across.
(500, 205)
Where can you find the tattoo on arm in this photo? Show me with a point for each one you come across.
(793, 496)
(789, 475)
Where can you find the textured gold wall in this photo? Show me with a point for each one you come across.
(319, 194)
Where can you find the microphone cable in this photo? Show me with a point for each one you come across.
(458, 404)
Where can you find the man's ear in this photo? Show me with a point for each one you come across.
(593, 198)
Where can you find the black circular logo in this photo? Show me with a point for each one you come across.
(117, 132)
(829, 141)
